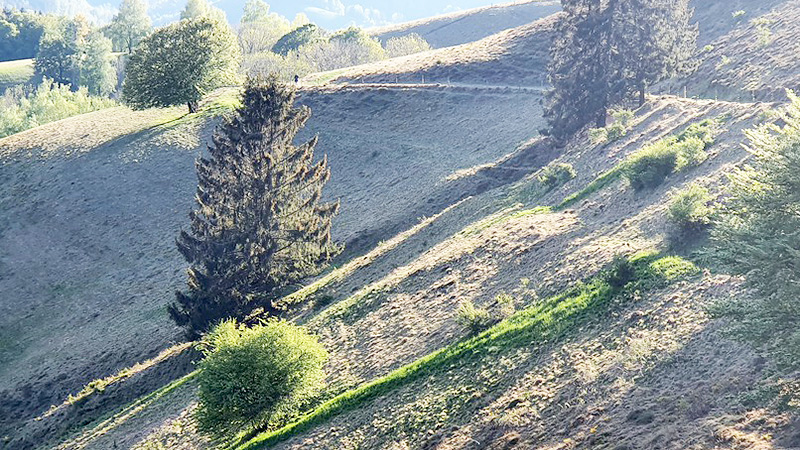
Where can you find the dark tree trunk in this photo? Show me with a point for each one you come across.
(642, 92)
(192, 106)
(602, 116)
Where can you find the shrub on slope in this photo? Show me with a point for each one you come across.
(648, 167)
(256, 375)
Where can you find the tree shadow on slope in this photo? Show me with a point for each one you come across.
(108, 220)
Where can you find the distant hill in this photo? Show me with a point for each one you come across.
(513, 57)
(471, 25)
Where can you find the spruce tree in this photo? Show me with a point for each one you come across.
(581, 69)
(655, 41)
(607, 50)
(260, 224)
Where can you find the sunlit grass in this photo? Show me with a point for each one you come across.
(15, 72)
(541, 323)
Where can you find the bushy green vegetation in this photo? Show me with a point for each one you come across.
(650, 166)
(556, 175)
(129, 26)
(308, 48)
(549, 178)
(757, 234)
(544, 322)
(646, 166)
(299, 37)
(21, 32)
(611, 133)
(25, 108)
(260, 28)
(258, 375)
(473, 318)
(179, 63)
(690, 208)
(406, 45)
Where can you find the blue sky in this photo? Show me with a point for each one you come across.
(331, 14)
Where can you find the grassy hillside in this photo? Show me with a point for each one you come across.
(15, 72)
(109, 196)
(442, 204)
(611, 374)
(755, 60)
(471, 25)
(514, 57)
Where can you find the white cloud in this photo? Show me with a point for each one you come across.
(370, 16)
(451, 8)
(329, 9)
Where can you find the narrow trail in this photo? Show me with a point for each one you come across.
(432, 86)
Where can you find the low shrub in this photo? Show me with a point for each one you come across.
(473, 318)
(650, 166)
(506, 305)
(555, 175)
(618, 129)
(256, 376)
(689, 208)
(620, 272)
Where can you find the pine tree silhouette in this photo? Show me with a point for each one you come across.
(260, 224)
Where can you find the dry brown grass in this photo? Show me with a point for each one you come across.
(471, 25)
(514, 57)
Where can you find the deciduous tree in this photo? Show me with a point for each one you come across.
(130, 25)
(180, 63)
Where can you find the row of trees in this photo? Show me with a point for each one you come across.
(607, 51)
(77, 56)
(308, 49)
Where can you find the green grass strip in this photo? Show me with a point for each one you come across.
(606, 179)
(535, 325)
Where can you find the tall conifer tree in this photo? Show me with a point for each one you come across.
(655, 41)
(607, 50)
(260, 224)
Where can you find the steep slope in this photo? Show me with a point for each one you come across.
(471, 25)
(755, 60)
(648, 372)
(92, 204)
(655, 373)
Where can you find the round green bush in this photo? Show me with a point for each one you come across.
(252, 376)
(689, 208)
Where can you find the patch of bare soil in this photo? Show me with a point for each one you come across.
(467, 26)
